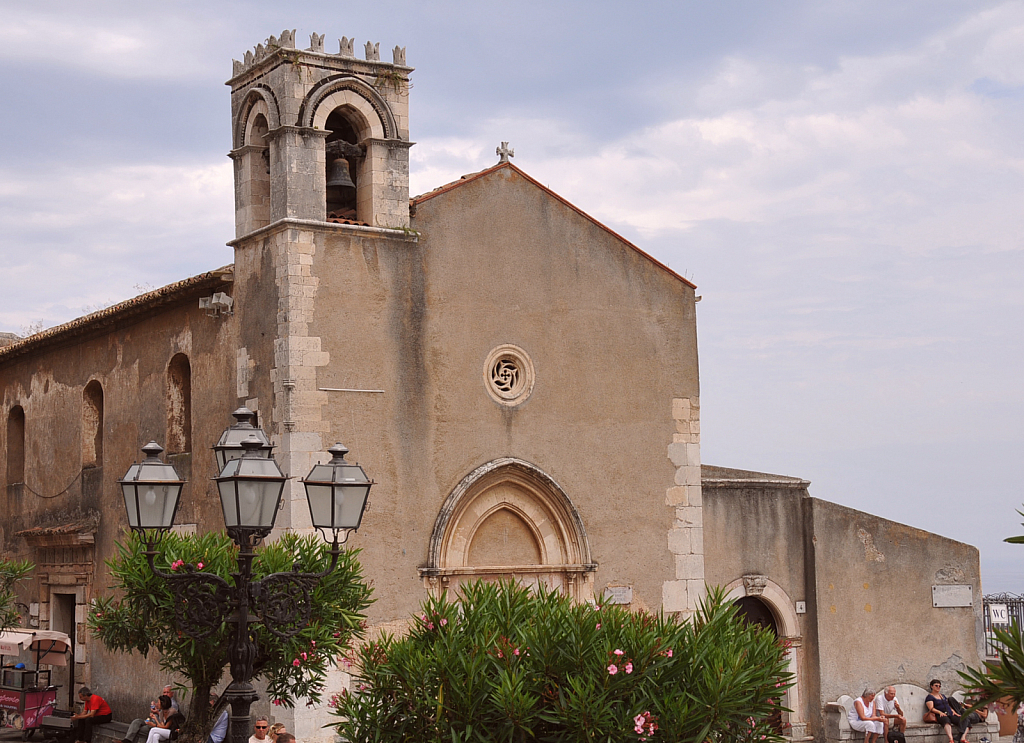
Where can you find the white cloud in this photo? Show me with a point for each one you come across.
(81, 237)
(156, 42)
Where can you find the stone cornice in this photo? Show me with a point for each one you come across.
(285, 223)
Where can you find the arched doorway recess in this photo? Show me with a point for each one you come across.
(763, 601)
(510, 519)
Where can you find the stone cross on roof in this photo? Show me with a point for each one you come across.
(504, 152)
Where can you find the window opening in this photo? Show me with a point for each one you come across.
(16, 445)
(179, 405)
(92, 425)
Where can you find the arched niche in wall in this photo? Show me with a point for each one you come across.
(765, 602)
(92, 425)
(179, 405)
(16, 445)
(509, 519)
(258, 165)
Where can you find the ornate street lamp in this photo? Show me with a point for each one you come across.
(230, 444)
(250, 485)
(250, 491)
(337, 493)
(151, 490)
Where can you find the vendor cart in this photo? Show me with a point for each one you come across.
(26, 695)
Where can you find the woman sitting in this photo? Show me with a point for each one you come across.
(162, 729)
(864, 718)
(938, 704)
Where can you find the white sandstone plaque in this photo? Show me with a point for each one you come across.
(619, 594)
(950, 596)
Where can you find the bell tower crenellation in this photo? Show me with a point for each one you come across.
(320, 136)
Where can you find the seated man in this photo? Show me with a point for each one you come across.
(968, 721)
(888, 707)
(220, 728)
(96, 712)
(169, 691)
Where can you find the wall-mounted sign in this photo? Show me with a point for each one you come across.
(619, 594)
(998, 614)
(949, 596)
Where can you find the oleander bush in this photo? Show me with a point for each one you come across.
(503, 663)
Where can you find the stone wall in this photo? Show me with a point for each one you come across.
(67, 513)
(851, 592)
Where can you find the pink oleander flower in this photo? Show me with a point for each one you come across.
(444, 622)
(430, 625)
(277, 702)
(296, 662)
(629, 667)
(500, 655)
(304, 656)
(312, 643)
(423, 617)
(598, 625)
(617, 651)
(613, 669)
(669, 652)
(200, 566)
(516, 651)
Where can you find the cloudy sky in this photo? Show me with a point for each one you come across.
(843, 181)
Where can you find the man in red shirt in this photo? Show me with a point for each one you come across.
(95, 712)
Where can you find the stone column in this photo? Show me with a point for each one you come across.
(686, 537)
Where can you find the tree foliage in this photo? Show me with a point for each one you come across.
(141, 616)
(11, 572)
(1002, 678)
(507, 664)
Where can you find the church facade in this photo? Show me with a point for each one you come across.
(521, 382)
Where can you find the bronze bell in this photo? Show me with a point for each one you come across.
(339, 177)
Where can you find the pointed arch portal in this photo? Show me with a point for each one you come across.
(508, 518)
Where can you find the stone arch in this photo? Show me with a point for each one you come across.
(787, 624)
(508, 518)
(257, 125)
(257, 94)
(369, 112)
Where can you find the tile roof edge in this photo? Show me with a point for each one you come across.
(122, 310)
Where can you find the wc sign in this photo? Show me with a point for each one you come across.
(997, 614)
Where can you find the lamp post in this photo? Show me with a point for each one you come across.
(250, 485)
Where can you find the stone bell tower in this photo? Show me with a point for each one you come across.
(321, 156)
(321, 160)
(319, 136)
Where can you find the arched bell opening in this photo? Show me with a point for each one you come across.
(343, 161)
(258, 168)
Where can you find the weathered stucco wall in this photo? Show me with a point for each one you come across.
(612, 338)
(867, 583)
(874, 580)
(129, 357)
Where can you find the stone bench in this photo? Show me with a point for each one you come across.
(911, 699)
(113, 730)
